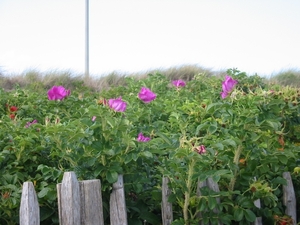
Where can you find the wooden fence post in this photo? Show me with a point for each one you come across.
(29, 209)
(69, 200)
(118, 214)
(91, 209)
(166, 207)
(79, 202)
(199, 186)
(289, 197)
(258, 220)
(213, 186)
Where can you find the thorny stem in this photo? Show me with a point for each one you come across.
(236, 162)
(187, 193)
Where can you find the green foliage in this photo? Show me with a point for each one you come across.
(250, 138)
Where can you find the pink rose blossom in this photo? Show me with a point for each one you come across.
(142, 138)
(178, 83)
(200, 149)
(28, 124)
(146, 95)
(58, 93)
(117, 104)
(227, 86)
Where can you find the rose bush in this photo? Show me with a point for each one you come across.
(244, 142)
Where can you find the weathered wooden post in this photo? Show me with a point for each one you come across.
(258, 220)
(118, 214)
(69, 200)
(79, 202)
(166, 207)
(29, 209)
(91, 209)
(213, 186)
(199, 186)
(289, 197)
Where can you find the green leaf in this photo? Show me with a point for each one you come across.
(212, 202)
(279, 180)
(254, 136)
(172, 198)
(211, 107)
(91, 161)
(245, 202)
(274, 125)
(219, 146)
(45, 212)
(212, 129)
(128, 158)
(43, 192)
(149, 217)
(178, 222)
(226, 219)
(134, 221)
(181, 152)
(111, 176)
(229, 142)
(201, 126)
(110, 121)
(146, 154)
(250, 216)
(283, 159)
(222, 172)
(202, 204)
(110, 152)
(164, 137)
(98, 171)
(238, 214)
(214, 221)
(216, 178)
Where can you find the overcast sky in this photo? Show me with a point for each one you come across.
(256, 36)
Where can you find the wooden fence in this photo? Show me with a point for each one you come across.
(80, 202)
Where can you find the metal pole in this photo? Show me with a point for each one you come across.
(87, 39)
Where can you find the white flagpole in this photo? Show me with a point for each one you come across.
(87, 39)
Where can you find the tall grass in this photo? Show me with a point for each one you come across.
(289, 77)
(34, 79)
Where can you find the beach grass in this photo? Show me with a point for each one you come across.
(34, 79)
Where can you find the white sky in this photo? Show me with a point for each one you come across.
(260, 36)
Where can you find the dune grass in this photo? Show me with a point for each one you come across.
(35, 80)
(289, 77)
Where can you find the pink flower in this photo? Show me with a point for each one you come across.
(224, 94)
(142, 138)
(117, 104)
(178, 83)
(200, 149)
(227, 86)
(28, 124)
(94, 118)
(58, 93)
(146, 95)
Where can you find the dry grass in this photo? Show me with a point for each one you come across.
(289, 77)
(36, 80)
